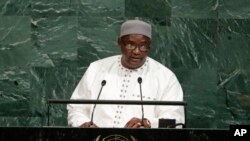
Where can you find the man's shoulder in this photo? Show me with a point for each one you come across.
(107, 59)
(156, 66)
(105, 62)
(161, 72)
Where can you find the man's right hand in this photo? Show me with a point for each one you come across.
(89, 125)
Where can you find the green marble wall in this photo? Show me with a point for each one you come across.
(46, 45)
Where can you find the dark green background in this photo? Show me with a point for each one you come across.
(46, 46)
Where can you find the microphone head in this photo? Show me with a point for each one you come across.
(103, 82)
(139, 80)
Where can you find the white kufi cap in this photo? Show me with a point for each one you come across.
(135, 27)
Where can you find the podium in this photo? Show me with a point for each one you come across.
(111, 134)
(126, 102)
(54, 133)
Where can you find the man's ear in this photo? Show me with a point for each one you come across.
(119, 42)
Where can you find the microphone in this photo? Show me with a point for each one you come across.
(142, 110)
(92, 115)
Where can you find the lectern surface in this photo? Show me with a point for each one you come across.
(110, 134)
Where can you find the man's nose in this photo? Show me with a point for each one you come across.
(136, 50)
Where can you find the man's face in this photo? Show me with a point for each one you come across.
(134, 50)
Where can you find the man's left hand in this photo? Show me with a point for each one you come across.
(137, 123)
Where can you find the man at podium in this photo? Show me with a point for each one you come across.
(129, 76)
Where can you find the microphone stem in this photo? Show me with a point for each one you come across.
(141, 107)
(92, 115)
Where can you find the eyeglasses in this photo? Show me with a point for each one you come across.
(142, 48)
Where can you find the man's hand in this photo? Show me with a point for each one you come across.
(89, 125)
(137, 123)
